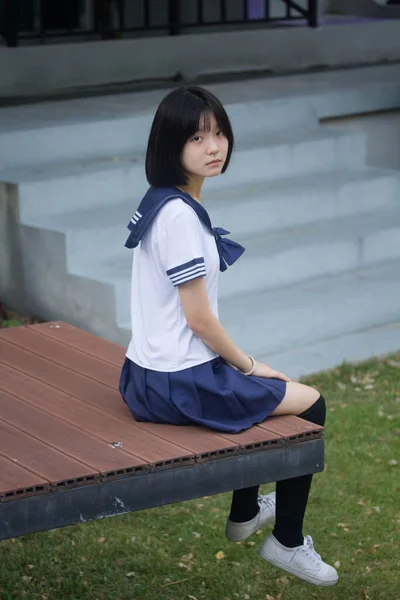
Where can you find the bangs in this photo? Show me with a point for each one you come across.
(196, 115)
(181, 114)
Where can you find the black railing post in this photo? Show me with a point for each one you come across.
(10, 20)
(267, 10)
(313, 13)
(174, 21)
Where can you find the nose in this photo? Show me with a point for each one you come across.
(213, 147)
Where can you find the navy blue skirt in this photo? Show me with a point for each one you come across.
(213, 394)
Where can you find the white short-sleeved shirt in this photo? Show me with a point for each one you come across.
(177, 248)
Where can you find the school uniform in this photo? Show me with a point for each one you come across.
(169, 374)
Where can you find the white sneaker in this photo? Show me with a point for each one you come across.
(302, 561)
(238, 532)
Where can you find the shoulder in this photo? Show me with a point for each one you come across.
(176, 212)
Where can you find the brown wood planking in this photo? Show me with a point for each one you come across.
(71, 382)
(83, 340)
(43, 461)
(58, 376)
(14, 477)
(290, 425)
(198, 439)
(254, 435)
(89, 342)
(77, 444)
(151, 448)
(66, 356)
(22, 384)
(108, 400)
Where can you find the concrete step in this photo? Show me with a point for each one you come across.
(321, 271)
(278, 321)
(50, 190)
(114, 125)
(328, 319)
(91, 139)
(245, 210)
(282, 258)
(355, 347)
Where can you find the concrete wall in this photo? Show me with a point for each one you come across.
(11, 260)
(365, 8)
(65, 68)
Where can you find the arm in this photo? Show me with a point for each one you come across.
(181, 254)
(205, 325)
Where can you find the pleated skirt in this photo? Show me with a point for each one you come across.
(213, 394)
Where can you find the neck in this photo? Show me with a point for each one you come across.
(193, 187)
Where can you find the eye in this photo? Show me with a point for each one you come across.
(220, 133)
(196, 138)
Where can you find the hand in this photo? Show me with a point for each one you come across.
(263, 370)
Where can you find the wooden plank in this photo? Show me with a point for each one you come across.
(82, 340)
(66, 356)
(15, 477)
(63, 379)
(88, 342)
(111, 402)
(43, 461)
(290, 426)
(254, 435)
(196, 440)
(92, 344)
(150, 448)
(64, 437)
(199, 439)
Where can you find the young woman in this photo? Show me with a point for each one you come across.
(181, 366)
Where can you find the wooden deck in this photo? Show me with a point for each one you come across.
(64, 426)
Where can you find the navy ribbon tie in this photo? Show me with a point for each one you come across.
(228, 250)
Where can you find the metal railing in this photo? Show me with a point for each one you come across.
(48, 20)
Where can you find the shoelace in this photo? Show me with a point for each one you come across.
(311, 550)
(265, 502)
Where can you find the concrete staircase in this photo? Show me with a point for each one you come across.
(320, 280)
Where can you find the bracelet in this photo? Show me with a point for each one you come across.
(253, 367)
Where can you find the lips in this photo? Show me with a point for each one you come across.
(214, 162)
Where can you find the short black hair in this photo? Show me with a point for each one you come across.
(176, 120)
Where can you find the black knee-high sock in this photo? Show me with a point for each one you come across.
(244, 505)
(292, 494)
(290, 514)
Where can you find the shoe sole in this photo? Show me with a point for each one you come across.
(299, 574)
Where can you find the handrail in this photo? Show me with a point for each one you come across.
(101, 16)
(311, 14)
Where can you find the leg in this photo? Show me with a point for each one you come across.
(292, 494)
(244, 506)
(286, 547)
(298, 398)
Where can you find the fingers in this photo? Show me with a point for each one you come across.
(268, 372)
(281, 376)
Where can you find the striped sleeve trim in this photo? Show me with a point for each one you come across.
(188, 271)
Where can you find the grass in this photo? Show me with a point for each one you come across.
(9, 318)
(179, 552)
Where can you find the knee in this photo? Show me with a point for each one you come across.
(314, 394)
(317, 411)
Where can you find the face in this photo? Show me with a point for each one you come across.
(204, 154)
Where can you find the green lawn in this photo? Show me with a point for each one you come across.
(179, 552)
